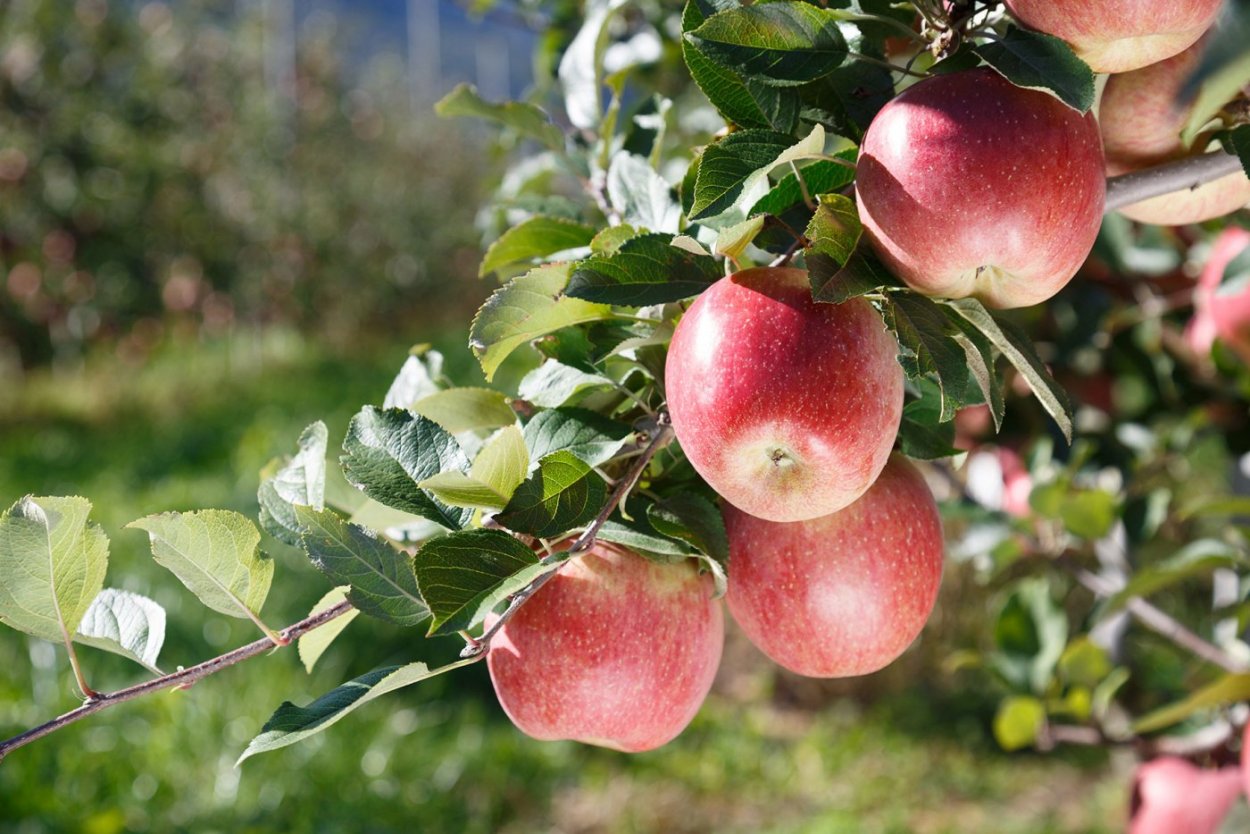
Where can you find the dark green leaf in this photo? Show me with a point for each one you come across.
(382, 581)
(526, 119)
(389, 452)
(776, 43)
(925, 336)
(1015, 345)
(1237, 141)
(562, 494)
(536, 237)
(820, 177)
(460, 575)
(645, 270)
(748, 104)
(727, 166)
(922, 433)
(1030, 633)
(290, 723)
(588, 436)
(1041, 62)
(693, 519)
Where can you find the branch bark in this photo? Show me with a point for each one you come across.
(183, 678)
(1181, 175)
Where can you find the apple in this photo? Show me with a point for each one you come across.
(1141, 127)
(1171, 796)
(1221, 315)
(844, 594)
(999, 480)
(615, 650)
(786, 407)
(1120, 35)
(971, 186)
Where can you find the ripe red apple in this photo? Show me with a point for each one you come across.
(1120, 35)
(1171, 796)
(844, 594)
(788, 408)
(1141, 127)
(971, 186)
(1221, 315)
(615, 650)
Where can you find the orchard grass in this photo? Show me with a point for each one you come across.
(189, 428)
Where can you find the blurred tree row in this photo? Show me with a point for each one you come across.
(154, 177)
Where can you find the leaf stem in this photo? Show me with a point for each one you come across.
(183, 678)
(662, 434)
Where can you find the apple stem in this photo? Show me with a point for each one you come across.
(180, 679)
(1181, 175)
(660, 435)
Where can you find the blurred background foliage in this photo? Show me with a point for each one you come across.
(203, 249)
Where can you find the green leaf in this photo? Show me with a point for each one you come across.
(420, 376)
(581, 66)
(641, 196)
(1018, 721)
(299, 480)
(216, 554)
(525, 308)
(552, 384)
(982, 362)
(608, 240)
(382, 581)
(849, 98)
(644, 271)
(499, 468)
(735, 164)
(733, 240)
(127, 624)
(290, 723)
(692, 519)
(1237, 141)
(461, 575)
(312, 645)
(1194, 559)
(1015, 345)
(834, 232)
(562, 494)
(820, 177)
(636, 532)
(1089, 513)
(525, 119)
(1084, 663)
(748, 104)
(921, 433)
(1228, 689)
(1031, 632)
(466, 409)
(1221, 75)
(924, 335)
(1041, 62)
(776, 43)
(52, 565)
(389, 452)
(535, 237)
(586, 435)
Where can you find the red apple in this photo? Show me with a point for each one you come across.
(844, 594)
(1221, 315)
(1141, 127)
(1172, 796)
(971, 186)
(788, 408)
(615, 650)
(1120, 35)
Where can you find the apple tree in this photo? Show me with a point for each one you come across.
(797, 301)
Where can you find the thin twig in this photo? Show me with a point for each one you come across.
(584, 542)
(1181, 175)
(181, 679)
(1162, 623)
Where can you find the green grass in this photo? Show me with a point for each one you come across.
(900, 752)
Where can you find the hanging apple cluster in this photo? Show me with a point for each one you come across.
(718, 386)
